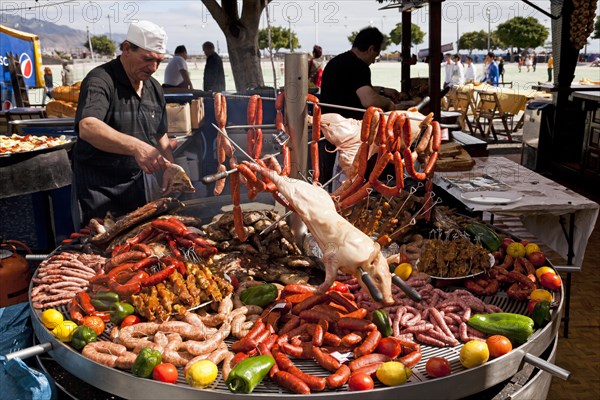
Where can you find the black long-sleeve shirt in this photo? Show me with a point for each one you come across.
(214, 75)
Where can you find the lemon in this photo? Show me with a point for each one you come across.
(64, 331)
(201, 374)
(393, 373)
(542, 270)
(403, 271)
(51, 318)
(474, 353)
(531, 248)
(541, 294)
(516, 250)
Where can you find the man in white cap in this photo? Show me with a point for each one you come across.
(121, 123)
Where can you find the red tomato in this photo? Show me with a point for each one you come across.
(360, 381)
(165, 372)
(390, 347)
(339, 287)
(437, 367)
(130, 320)
(498, 345)
(531, 306)
(550, 281)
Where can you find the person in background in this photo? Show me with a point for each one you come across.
(471, 73)
(66, 74)
(550, 67)
(121, 123)
(458, 72)
(529, 62)
(448, 66)
(501, 68)
(491, 70)
(534, 61)
(214, 75)
(347, 82)
(316, 65)
(176, 73)
(48, 84)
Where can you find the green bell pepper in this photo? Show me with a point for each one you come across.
(260, 295)
(248, 373)
(82, 336)
(110, 297)
(103, 301)
(516, 327)
(541, 314)
(382, 322)
(118, 312)
(145, 362)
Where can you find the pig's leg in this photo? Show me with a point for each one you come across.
(331, 269)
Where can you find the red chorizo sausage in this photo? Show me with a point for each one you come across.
(309, 303)
(291, 382)
(315, 383)
(411, 359)
(343, 301)
(368, 359)
(370, 369)
(355, 324)
(351, 339)
(339, 378)
(325, 360)
(369, 344)
(360, 313)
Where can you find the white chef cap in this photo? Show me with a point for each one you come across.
(148, 36)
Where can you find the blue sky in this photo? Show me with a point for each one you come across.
(327, 23)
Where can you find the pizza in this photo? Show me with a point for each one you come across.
(19, 144)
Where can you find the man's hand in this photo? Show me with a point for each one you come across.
(392, 94)
(149, 158)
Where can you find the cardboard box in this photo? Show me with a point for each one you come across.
(178, 117)
(197, 112)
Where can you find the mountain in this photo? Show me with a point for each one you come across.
(52, 36)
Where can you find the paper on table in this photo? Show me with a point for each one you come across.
(477, 183)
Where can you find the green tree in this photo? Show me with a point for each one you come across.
(280, 39)
(416, 34)
(473, 41)
(101, 45)
(597, 28)
(522, 32)
(387, 41)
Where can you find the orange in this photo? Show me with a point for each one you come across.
(542, 270)
(96, 323)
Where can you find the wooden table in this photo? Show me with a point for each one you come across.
(559, 217)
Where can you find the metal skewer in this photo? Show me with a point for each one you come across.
(224, 174)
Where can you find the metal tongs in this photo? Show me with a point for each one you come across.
(396, 280)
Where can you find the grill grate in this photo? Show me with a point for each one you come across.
(419, 374)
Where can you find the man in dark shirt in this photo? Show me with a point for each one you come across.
(347, 82)
(121, 124)
(214, 75)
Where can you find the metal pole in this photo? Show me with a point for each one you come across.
(296, 89)
(457, 36)
(487, 12)
(290, 33)
(109, 30)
